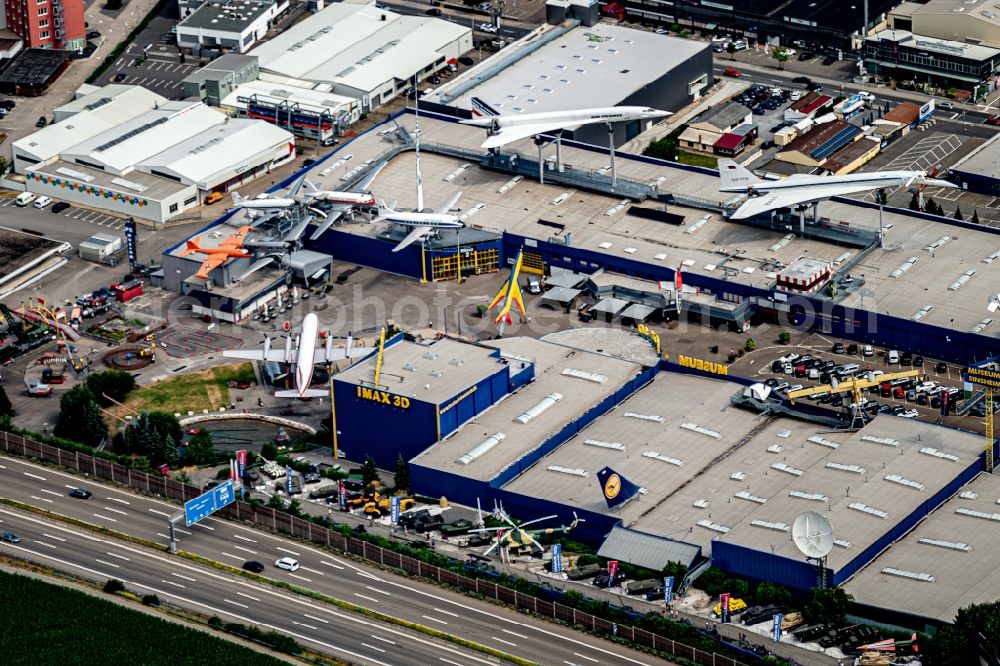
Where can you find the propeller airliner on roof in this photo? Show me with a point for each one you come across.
(767, 195)
(359, 197)
(507, 129)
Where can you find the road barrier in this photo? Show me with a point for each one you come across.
(279, 521)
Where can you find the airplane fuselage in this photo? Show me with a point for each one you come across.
(433, 220)
(818, 183)
(610, 114)
(358, 199)
(306, 353)
(264, 204)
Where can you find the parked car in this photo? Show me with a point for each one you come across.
(42, 201)
(93, 34)
(829, 60)
(892, 357)
(947, 106)
(120, 76)
(433, 11)
(81, 493)
(806, 55)
(41, 122)
(60, 207)
(287, 563)
(7, 104)
(23, 199)
(941, 367)
(838, 348)
(909, 414)
(867, 350)
(993, 120)
(488, 27)
(804, 80)
(729, 71)
(330, 141)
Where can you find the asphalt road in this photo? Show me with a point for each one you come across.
(232, 544)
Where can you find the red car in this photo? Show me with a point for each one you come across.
(993, 120)
(733, 72)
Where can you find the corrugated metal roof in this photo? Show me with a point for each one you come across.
(724, 116)
(730, 141)
(646, 550)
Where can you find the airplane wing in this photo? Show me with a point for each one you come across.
(365, 183)
(506, 135)
(775, 200)
(413, 236)
(293, 189)
(446, 209)
(211, 262)
(236, 239)
(297, 230)
(277, 355)
(339, 354)
(332, 217)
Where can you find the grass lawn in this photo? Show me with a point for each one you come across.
(696, 159)
(192, 391)
(48, 624)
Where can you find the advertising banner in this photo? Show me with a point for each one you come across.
(668, 589)
(724, 606)
(557, 558)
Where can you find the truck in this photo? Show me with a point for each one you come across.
(52, 376)
(640, 586)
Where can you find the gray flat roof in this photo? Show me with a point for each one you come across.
(576, 396)
(428, 372)
(961, 577)
(600, 65)
(226, 16)
(518, 209)
(983, 161)
(156, 188)
(688, 488)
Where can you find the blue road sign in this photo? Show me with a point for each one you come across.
(208, 503)
(394, 508)
(557, 558)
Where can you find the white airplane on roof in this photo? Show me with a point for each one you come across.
(303, 356)
(422, 224)
(342, 202)
(767, 195)
(506, 129)
(265, 201)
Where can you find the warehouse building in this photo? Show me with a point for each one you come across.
(569, 67)
(979, 171)
(138, 154)
(228, 26)
(216, 80)
(976, 23)
(902, 55)
(360, 51)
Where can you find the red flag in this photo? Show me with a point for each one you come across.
(678, 280)
(41, 301)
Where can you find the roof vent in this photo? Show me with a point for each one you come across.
(482, 448)
(780, 527)
(410, 367)
(645, 417)
(583, 374)
(457, 362)
(945, 544)
(435, 373)
(704, 431)
(743, 494)
(782, 467)
(543, 405)
(663, 458)
(815, 497)
(617, 446)
(931, 451)
(870, 510)
(846, 468)
(715, 527)
(575, 471)
(896, 478)
(923, 577)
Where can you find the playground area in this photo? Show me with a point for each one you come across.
(131, 359)
(184, 342)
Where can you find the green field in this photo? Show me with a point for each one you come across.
(43, 624)
(697, 159)
(195, 391)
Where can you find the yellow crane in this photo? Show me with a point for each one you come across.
(855, 386)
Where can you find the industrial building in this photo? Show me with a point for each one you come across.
(972, 21)
(216, 80)
(569, 67)
(132, 151)
(903, 55)
(228, 26)
(979, 171)
(362, 52)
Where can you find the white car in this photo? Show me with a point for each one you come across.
(24, 198)
(892, 358)
(909, 414)
(720, 38)
(42, 201)
(867, 350)
(488, 27)
(288, 564)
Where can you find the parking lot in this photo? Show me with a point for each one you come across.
(96, 218)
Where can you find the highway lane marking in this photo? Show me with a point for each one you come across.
(307, 626)
(205, 526)
(240, 536)
(285, 550)
(106, 517)
(42, 543)
(372, 647)
(318, 573)
(318, 619)
(120, 557)
(384, 640)
(177, 529)
(41, 499)
(368, 575)
(500, 640)
(183, 576)
(583, 656)
(235, 557)
(374, 601)
(116, 499)
(245, 550)
(433, 619)
(50, 492)
(454, 663)
(110, 564)
(444, 612)
(34, 476)
(308, 580)
(118, 511)
(331, 564)
(3, 467)
(50, 536)
(248, 596)
(161, 534)
(235, 603)
(514, 633)
(159, 513)
(375, 589)
(170, 582)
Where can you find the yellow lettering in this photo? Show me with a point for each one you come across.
(704, 366)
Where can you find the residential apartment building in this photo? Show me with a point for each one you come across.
(53, 24)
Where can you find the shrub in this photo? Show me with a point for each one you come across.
(150, 600)
(751, 345)
(785, 337)
(114, 586)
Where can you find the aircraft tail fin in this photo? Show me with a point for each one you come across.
(735, 177)
(191, 245)
(616, 488)
(238, 199)
(311, 186)
(482, 109)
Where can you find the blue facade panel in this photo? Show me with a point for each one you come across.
(368, 251)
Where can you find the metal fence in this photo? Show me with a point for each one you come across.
(279, 521)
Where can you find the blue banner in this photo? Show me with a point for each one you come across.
(288, 480)
(130, 241)
(776, 630)
(557, 558)
(394, 509)
(668, 589)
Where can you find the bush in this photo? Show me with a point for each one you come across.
(114, 586)
(829, 605)
(150, 600)
(751, 345)
(110, 385)
(785, 337)
(771, 593)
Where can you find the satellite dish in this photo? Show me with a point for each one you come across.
(812, 535)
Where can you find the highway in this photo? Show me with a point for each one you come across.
(342, 634)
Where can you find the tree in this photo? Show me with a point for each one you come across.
(80, 417)
(269, 451)
(771, 593)
(932, 207)
(975, 217)
(4, 165)
(115, 384)
(751, 344)
(731, 50)
(369, 471)
(275, 502)
(958, 213)
(831, 289)
(6, 409)
(200, 448)
(829, 605)
(959, 643)
(401, 478)
(151, 436)
(781, 55)
(914, 202)
(784, 337)
(881, 198)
